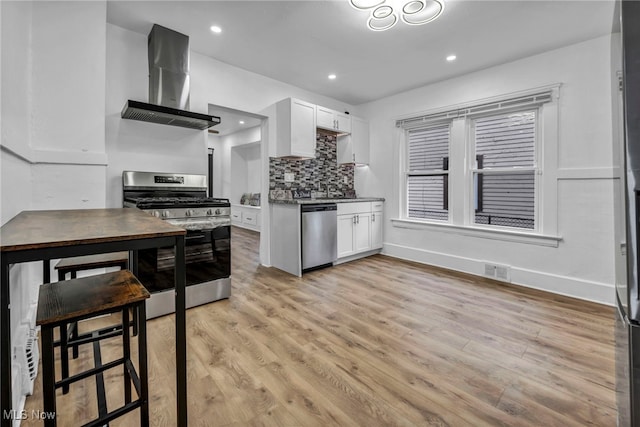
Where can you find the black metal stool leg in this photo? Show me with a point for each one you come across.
(142, 364)
(64, 356)
(74, 326)
(126, 353)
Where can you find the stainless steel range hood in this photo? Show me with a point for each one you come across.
(168, 84)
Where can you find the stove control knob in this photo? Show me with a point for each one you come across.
(165, 214)
(189, 212)
(210, 212)
(156, 214)
(217, 211)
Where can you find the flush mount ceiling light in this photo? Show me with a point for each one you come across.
(332, 76)
(215, 29)
(384, 14)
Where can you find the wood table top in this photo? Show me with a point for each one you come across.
(57, 228)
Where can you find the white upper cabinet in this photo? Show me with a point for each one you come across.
(332, 120)
(354, 148)
(296, 128)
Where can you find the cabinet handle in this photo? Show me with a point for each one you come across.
(357, 219)
(354, 219)
(373, 218)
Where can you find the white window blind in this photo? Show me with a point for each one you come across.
(427, 174)
(529, 100)
(505, 170)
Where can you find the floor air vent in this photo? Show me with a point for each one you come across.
(497, 271)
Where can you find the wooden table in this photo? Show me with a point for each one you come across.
(46, 235)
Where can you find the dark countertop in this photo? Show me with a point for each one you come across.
(321, 200)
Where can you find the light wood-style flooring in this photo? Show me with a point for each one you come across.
(373, 342)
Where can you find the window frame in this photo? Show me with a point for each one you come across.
(545, 101)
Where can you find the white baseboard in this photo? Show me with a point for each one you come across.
(602, 293)
(356, 256)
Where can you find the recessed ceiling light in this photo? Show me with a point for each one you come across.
(451, 58)
(332, 76)
(216, 29)
(241, 122)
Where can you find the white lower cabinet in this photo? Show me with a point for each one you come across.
(357, 228)
(246, 216)
(362, 232)
(376, 230)
(346, 225)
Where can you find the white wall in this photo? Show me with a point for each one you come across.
(582, 265)
(52, 148)
(144, 146)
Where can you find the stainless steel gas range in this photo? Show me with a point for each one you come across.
(181, 199)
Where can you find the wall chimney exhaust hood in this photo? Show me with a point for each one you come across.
(168, 84)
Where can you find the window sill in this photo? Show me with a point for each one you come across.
(485, 233)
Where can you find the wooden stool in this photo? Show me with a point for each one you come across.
(71, 266)
(90, 262)
(61, 303)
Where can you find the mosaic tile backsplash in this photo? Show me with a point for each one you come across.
(314, 174)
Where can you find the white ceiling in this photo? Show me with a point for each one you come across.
(301, 42)
(233, 120)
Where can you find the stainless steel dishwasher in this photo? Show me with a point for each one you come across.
(319, 235)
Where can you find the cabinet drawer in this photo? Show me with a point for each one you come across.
(236, 216)
(352, 208)
(249, 218)
(377, 206)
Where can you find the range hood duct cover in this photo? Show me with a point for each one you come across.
(169, 84)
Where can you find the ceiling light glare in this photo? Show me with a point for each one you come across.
(381, 24)
(451, 58)
(384, 14)
(432, 10)
(216, 29)
(241, 122)
(332, 76)
(365, 4)
(412, 7)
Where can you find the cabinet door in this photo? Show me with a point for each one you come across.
(360, 140)
(376, 230)
(343, 122)
(354, 147)
(345, 235)
(362, 232)
(236, 215)
(325, 118)
(303, 129)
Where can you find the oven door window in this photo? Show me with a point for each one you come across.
(207, 257)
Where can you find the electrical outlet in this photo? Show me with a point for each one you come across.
(289, 177)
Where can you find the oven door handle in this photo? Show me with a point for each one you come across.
(197, 236)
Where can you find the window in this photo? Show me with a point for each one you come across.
(427, 173)
(505, 169)
(479, 165)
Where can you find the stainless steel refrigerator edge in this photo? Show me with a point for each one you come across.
(627, 332)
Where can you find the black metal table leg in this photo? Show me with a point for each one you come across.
(46, 271)
(48, 376)
(5, 362)
(181, 329)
